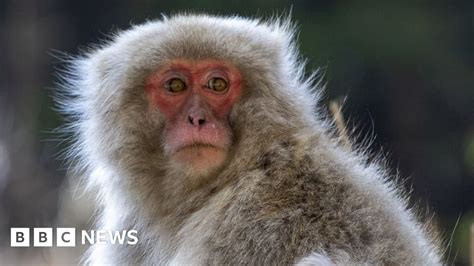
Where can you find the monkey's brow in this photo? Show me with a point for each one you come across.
(187, 67)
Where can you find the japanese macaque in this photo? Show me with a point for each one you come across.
(203, 134)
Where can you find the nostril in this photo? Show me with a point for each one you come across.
(196, 121)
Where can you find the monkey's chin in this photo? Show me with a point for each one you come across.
(200, 159)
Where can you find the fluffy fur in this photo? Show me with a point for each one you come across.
(289, 193)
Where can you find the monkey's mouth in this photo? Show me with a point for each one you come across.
(200, 156)
(198, 145)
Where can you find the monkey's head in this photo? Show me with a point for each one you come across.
(188, 94)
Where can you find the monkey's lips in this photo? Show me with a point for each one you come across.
(205, 139)
(201, 156)
(197, 146)
(201, 148)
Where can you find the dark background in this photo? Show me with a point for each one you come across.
(406, 68)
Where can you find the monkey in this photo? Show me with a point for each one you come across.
(205, 135)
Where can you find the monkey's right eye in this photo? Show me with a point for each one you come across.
(175, 85)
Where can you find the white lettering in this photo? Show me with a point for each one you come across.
(132, 237)
(90, 237)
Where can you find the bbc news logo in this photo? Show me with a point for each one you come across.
(66, 237)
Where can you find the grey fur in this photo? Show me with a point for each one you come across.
(288, 193)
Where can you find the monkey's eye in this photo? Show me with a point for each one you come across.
(217, 84)
(175, 85)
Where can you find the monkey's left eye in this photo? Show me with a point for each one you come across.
(175, 85)
(217, 84)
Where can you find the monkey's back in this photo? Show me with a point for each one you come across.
(301, 202)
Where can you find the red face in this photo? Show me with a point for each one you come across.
(195, 97)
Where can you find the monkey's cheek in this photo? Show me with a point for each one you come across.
(201, 159)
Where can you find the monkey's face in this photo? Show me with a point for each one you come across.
(195, 98)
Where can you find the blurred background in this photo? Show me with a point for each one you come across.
(406, 69)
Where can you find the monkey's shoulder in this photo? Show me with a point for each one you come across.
(305, 195)
(306, 205)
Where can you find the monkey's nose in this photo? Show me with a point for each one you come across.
(196, 120)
